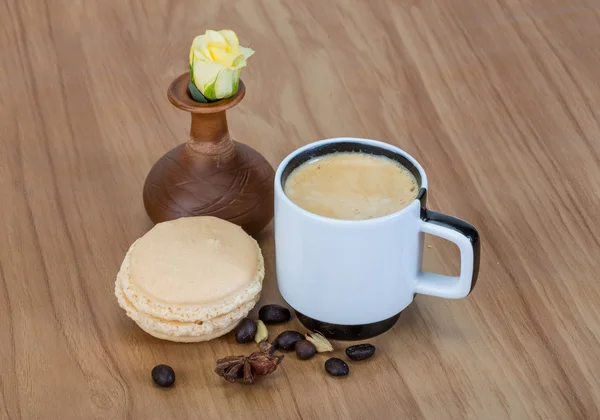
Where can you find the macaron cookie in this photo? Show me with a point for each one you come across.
(191, 279)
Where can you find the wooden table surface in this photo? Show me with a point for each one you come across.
(498, 99)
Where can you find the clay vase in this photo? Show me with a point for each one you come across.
(210, 174)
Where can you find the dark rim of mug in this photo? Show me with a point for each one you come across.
(356, 146)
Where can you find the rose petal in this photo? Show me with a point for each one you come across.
(215, 38)
(225, 83)
(205, 75)
(223, 57)
(200, 47)
(246, 52)
(230, 37)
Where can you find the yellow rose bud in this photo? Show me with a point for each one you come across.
(216, 60)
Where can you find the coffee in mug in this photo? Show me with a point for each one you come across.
(351, 186)
(349, 257)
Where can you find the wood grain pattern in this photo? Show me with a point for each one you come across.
(498, 100)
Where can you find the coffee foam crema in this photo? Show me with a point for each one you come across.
(351, 186)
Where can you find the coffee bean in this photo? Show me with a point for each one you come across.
(305, 349)
(336, 367)
(274, 314)
(246, 330)
(287, 340)
(163, 375)
(360, 351)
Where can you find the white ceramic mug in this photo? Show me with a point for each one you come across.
(351, 279)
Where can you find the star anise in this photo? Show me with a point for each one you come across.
(267, 347)
(264, 363)
(233, 368)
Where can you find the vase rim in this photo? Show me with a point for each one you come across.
(178, 94)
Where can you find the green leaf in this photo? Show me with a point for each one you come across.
(196, 94)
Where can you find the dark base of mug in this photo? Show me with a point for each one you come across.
(348, 332)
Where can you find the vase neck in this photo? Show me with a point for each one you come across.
(209, 134)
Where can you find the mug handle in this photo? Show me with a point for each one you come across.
(466, 237)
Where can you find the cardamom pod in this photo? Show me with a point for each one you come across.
(320, 342)
(261, 332)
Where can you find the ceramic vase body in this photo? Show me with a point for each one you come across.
(210, 174)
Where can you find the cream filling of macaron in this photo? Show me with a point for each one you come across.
(213, 327)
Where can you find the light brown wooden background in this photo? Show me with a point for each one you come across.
(498, 99)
